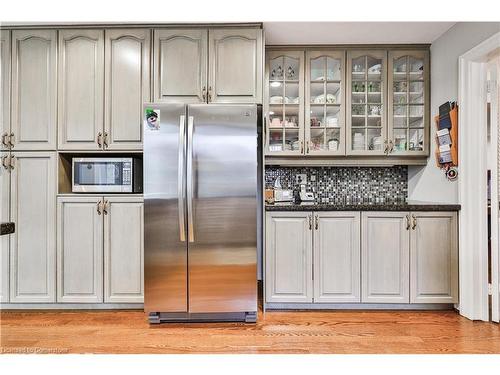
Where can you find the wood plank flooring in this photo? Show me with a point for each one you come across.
(276, 332)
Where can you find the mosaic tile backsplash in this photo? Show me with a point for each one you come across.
(346, 185)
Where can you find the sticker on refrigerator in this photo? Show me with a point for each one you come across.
(153, 118)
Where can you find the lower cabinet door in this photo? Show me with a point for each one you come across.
(123, 250)
(385, 257)
(288, 267)
(337, 275)
(434, 258)
(33, 245)
(79, 249)
(4, 217)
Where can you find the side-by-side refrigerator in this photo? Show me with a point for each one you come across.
(200, 212)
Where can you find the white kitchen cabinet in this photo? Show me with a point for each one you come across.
(289, 257)
(34, 88)
(235, 65)
(4, 217)
(127, 87)
(79, 249)
(180, 65)
(124, 250)
(385, 257)
(5, 89)
(33, 210)
(434, 257)
(81, 89)
(337, 276)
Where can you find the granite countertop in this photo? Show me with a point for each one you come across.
(6, 228)
(408, 206)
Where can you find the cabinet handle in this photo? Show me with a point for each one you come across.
(99, 208)
(386, 147)
(12, 163)
(407, 222)
(209, 94)
(11, 140)
(310, 222)
(105, 206)
(301, 147)
(316, 225)
(4, 162)
(307, 147)
(99, 139)
(414, 222)
(204, 93)
(4, 140)
(106, 139)
(391, 147)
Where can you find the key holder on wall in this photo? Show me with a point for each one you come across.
(447, 139)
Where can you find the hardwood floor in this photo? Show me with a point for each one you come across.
(276, 332)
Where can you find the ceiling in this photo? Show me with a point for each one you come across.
(354, 32)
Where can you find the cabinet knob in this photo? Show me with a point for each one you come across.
(5, 142)
(12, 163)
(310, 221)
(209, 94)
(204, 93)
(4, 162)
(316, 225)
(99, 208)
(11, 140)
(407, 222)
(414, 222)
(105, 207)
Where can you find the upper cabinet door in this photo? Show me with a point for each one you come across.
(127, 87)
(235, 66)
(33, 209)
(434, 257)
(180, 65)
(284, 103)
(408, 103)
(34, 81)
(385, 242)
(324, 123)
(81, 89)
(5, 88)
(366, 102)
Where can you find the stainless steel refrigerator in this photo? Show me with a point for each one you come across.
(200, 212)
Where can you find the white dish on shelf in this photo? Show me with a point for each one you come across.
(291, 100)
(330, 99)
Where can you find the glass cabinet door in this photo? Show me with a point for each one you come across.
(284, 104)
(324, 114)
(366, 87)
(408, 103)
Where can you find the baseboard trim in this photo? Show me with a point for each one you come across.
(358, 306)
(71, 306)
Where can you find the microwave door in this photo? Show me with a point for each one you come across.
(165, 245)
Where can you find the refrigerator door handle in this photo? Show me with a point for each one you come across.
(180, 178)
(189, 178)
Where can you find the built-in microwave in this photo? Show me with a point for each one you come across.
(106, 175)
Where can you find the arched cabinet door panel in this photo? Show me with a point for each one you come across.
(127, 86)
(81, 89)
(180, 65)
(34, 81)
(235, 66)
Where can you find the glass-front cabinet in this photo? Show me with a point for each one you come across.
(324, 103)
(408, 116)
(328, 102)
(366, 102)
(285, 103)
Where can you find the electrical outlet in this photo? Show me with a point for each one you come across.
(301, 178)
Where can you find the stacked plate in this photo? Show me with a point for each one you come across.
(376, 143)
(358, 142)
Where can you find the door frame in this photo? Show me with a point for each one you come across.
(473, 236)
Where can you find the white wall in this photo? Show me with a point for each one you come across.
(429, 183)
